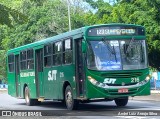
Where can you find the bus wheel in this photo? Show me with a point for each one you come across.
(71, 103)
(29, 101)
(121, 101)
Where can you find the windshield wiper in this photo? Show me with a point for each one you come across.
(109, 47)
(129, 46)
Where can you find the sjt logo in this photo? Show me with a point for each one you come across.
(52, 75)
(109, 80)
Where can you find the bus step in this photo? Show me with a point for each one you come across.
(41, 99)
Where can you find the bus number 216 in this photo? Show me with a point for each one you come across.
(133, 80)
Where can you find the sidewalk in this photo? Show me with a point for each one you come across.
(155, 91)
(3, 90)
(155, 96)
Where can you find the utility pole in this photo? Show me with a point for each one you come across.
(69, 17)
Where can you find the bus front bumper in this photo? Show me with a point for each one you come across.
(102, 90)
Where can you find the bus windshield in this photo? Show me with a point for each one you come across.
(117, 55)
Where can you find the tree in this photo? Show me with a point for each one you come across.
(2, 64)
(7, 14)
(45, 18)
(142, 12)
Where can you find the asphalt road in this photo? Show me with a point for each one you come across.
(136, 109)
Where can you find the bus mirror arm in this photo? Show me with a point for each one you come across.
(85, 58)
(84, 46)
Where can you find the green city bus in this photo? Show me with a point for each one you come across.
(94, 63)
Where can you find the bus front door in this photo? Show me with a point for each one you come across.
(39, 72)
(80, 73)
(17, 76)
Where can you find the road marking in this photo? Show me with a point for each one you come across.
(131, 117)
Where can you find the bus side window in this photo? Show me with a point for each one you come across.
(57, 53)
(47, 55)
(67, 51)
(23, 60)
(30, 60)
(11, 63)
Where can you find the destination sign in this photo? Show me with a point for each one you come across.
(102, 31)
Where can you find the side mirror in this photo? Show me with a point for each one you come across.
(84, 46)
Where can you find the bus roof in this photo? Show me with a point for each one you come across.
(47, 40)
(65, 35)
(116, 24)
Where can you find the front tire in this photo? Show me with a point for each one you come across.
(71, 103)
(29, 101)
(121, 101)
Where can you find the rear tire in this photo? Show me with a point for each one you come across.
(29, 101)
(121, 101)
(71, 104)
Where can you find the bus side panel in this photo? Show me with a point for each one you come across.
(32, 87)
(54, 79)
(52, 82)
(40, 83)
(11, 84)
(28, 77)
(67, 73)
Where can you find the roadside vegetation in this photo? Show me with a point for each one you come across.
(27, 21)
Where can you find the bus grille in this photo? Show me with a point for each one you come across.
(128, 84)
(122, 75)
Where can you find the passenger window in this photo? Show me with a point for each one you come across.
(11, 63)
(47, 55)
(57, 53)
(30, 59)
(23, 60)
(67, 51)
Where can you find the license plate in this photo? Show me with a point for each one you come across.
(123, 90)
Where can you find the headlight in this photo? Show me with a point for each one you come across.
(148, 78)
(92, 80)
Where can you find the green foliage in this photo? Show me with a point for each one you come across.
(142, 12)
(3, 64)
(7, 14)
(26, 21)
(45, 18)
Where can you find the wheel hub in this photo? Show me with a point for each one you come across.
(69, 98)
(27, 96)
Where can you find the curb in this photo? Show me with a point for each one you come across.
(155, 91)
(3, 90)
(153, 97)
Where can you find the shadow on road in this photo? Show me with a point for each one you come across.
(94, 106)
